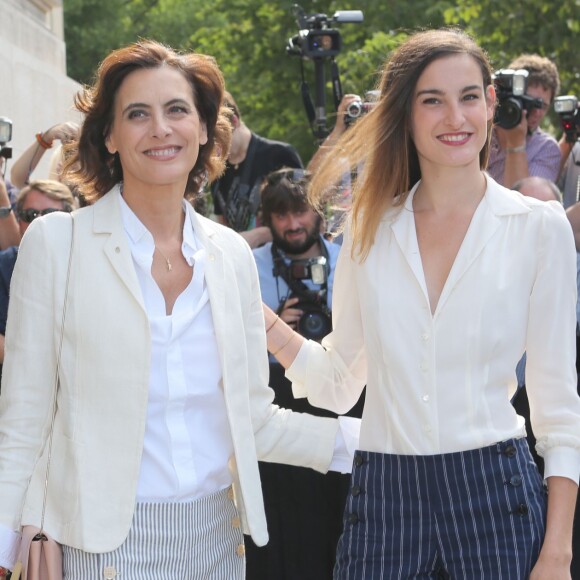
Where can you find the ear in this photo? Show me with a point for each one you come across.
(235, 121)
(110, 144)
(202, 133)
(490, 101)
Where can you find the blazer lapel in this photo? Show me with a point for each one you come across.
(107, 220)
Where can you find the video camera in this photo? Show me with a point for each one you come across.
(5, 137)
(358, 108)
(318, 41)
(315, 39)
(511, 86)
(567, 109)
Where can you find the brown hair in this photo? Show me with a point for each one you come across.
(284, 190)
(97, 170)
(53, 189)
(542, 71)
(382, 141)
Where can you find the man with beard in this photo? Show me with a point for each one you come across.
(303, 508)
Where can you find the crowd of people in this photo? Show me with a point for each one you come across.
(362, 369)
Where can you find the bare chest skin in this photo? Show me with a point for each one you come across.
(171, 283)
(439, 238)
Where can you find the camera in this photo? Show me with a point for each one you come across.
(314, 269)
(5, 137)
(567, 109)
(359, 108)
(510, 87)
(316, 39)
(316, 320)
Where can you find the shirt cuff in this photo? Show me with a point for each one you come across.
(9, 546)
(345, 445)
(296, 372)
(563, 462)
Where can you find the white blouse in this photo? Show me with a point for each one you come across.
(188, 441)
(442, 383)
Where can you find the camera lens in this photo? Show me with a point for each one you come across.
(508, 113)
(354, 110)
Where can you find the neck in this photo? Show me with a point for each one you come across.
(450, 190)
(312, 252)
(240, 143)
(160, 210)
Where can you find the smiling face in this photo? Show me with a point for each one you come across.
(156, 128)
(450, 113)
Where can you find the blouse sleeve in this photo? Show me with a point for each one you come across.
(551, 377)
(333, 374)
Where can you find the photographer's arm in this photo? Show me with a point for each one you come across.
(9, 230)
(513, 142)
(339, 128)
(25, 164)
(283, 342)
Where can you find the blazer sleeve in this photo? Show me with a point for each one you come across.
(281, 435)
(30, 361)
(333, 374)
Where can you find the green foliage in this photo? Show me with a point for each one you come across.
(249, 38)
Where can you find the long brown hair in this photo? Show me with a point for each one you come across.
(93, 169)
(381, 144)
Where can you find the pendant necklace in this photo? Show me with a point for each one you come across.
(165, 258)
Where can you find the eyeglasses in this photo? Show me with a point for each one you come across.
(30, 214)
(293, 175)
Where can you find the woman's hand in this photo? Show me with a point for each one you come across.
(552, 567)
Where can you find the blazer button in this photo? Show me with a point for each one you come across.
(236, 522)
(230, 493)
(355, 490)
(109, 573)
(353, 519)
(358, 460)
(240, 550)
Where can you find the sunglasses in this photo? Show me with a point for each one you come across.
(30, 214)
(293, 175)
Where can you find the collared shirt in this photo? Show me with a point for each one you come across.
(543, 155)
(187, 437)
(442, 382)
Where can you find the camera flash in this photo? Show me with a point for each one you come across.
(565, 104)
(519, 82)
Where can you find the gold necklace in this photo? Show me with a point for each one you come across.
(165, 258)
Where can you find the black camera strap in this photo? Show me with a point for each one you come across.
(281, 269)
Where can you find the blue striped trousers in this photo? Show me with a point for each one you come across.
(470, 515)
(196, 540)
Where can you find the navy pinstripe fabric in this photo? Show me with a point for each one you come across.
(470, 515)
(170, 541)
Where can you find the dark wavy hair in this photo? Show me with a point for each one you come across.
(90, 166)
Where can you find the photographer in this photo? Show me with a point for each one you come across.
(525, 150)
(236, 194)
(303, 508)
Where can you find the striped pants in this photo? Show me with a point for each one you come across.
(196, 540)
(470, 515)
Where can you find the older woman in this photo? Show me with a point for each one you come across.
(163, 408)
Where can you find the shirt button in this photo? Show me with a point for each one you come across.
(425, 398)
(211, 257)
(109, 573)
(424, 366)
(117, 250)
(358, 460)
(240, 550)
(425, 336)
(427, 428)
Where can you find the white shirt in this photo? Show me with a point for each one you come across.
(187, 442)
(442, 383)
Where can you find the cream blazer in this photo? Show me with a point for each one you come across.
(102, 398)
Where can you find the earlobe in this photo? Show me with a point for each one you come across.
(490, 100)
(110, 147)
(202, 134)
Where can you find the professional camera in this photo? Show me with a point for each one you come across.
(567, 109)
(5, 137)
(359, 108)
(315, 38)
(510, 87)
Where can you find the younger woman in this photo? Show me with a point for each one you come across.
(444, 280)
